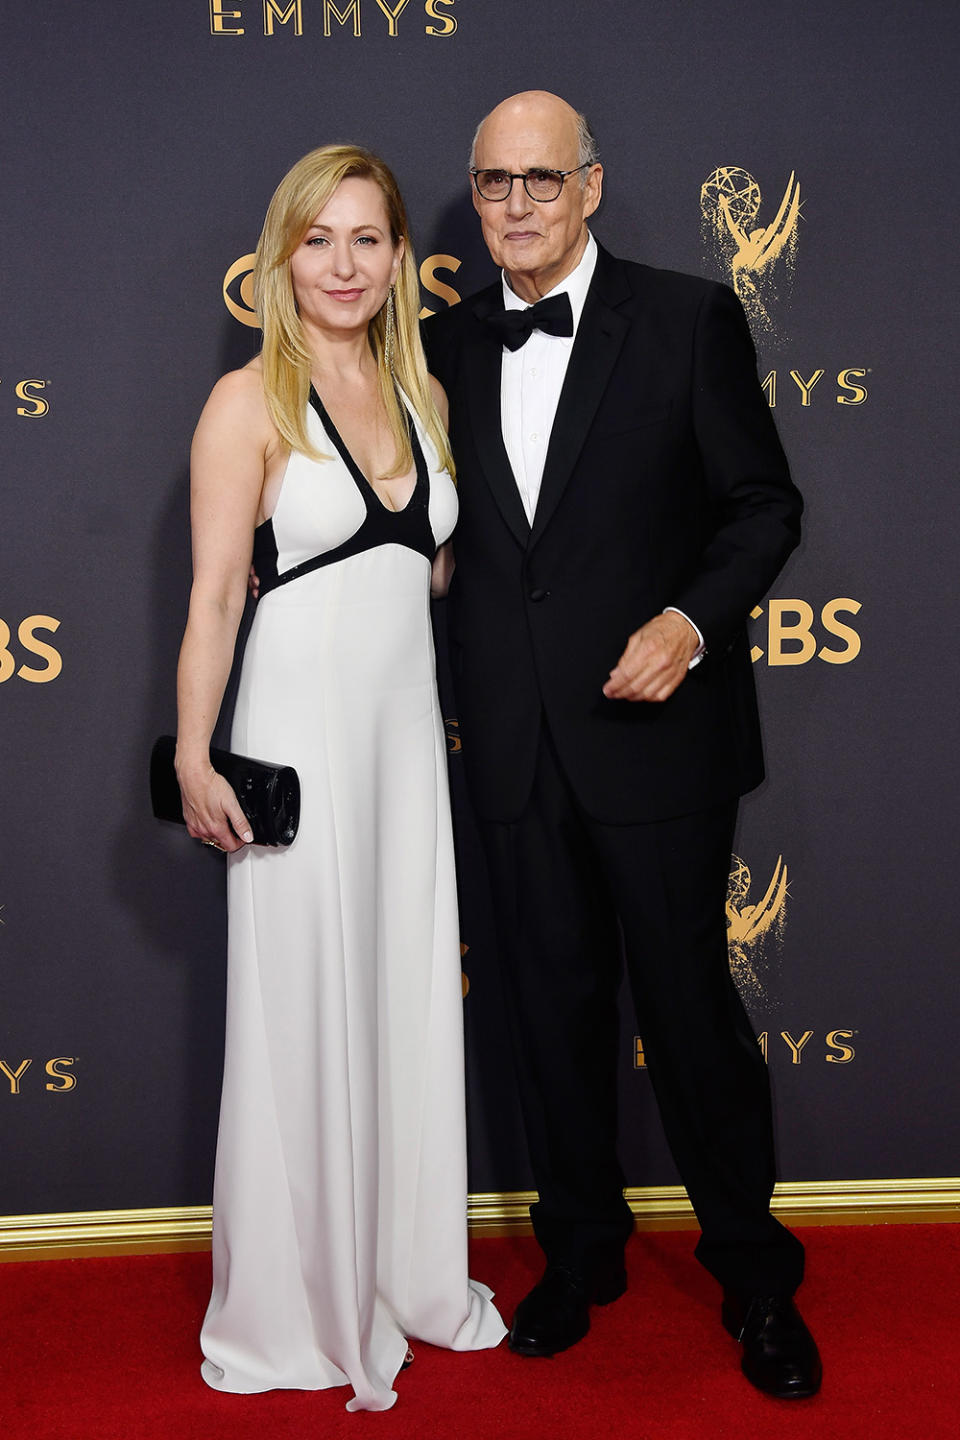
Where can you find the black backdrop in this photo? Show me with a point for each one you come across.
(140, 145)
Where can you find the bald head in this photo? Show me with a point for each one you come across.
(536, 106)
(537, 242)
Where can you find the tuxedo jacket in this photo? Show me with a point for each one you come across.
(664, 484)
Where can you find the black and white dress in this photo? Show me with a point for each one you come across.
(340, 1192)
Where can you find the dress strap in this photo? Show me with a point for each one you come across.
(409, 527)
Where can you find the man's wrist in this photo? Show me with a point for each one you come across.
(701, 649)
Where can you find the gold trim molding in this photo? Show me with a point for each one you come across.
(800, 1202)
(656, 1207)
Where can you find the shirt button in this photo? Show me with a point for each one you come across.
(534, 436)
(533, 370)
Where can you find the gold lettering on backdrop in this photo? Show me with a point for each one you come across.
(796, 1046)
(446, 23)
(219, 16)
(238, 287)
(38, 406)
(429, 281)
(846, 381)
(843, 632)
(14, 1076)
(276, 9)
(858, 393)
(393, 14)
(836, 1039)
(769, 384)
(226, 16)
(780, 630)
(352, 9)
(805, 386)
(7, 662)
(29, 641)
(58, 1074)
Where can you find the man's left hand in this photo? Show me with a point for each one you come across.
(655, 660)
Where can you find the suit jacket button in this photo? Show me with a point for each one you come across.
(539, 594)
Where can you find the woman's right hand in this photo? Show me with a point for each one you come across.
(212, 810)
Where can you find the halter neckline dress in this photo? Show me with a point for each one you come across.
(340, 1191)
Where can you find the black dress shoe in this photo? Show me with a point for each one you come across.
(780, 1355)
(556, 1313)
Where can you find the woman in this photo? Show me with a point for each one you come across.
(339, 1199)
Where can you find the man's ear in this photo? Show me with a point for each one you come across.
(592, 190)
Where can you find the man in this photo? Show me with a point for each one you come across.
(624, 503)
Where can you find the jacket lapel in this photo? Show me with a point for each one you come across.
(481, 362)
(600, 336)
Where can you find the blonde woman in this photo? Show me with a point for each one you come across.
(339, 1199)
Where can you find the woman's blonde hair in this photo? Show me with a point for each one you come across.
(303, 192)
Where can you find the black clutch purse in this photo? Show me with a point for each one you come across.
(269, 795)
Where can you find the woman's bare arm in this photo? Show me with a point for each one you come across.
(227, 464)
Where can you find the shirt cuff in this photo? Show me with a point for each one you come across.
(701, 649)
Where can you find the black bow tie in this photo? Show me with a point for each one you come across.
(514, 327)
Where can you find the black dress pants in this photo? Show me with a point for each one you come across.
(572, 897)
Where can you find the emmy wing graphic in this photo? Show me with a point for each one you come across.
(751, 927)
(750, 254)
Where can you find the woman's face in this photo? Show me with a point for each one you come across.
(346, 262)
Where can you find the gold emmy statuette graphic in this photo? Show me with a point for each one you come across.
(751, 927)
(749, 253)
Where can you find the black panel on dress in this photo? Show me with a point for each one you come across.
(381, 526)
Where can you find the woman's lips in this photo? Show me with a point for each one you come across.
(344, 294)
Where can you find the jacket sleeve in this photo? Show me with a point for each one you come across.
(755, 504)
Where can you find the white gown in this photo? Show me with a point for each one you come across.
(340, 1194)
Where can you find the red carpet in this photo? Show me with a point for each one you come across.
(107, 1350)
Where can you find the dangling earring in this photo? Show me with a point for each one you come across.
(389, 332)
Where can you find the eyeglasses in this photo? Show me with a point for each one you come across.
(540, 185)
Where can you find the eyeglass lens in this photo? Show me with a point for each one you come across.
(539, 184)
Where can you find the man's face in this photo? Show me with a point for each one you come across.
(537, 243)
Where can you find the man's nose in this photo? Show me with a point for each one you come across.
(518, 201)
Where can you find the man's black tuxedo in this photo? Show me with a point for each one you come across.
(610, 823)
(664, 485)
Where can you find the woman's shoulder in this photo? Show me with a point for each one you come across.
(237, 398)
(237, 408)
(243, 386)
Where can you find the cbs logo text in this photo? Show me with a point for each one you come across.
(11, 661)
(792, 632)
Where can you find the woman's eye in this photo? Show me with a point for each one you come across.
(317, 240)
(366, 240)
